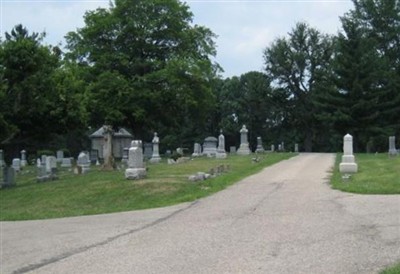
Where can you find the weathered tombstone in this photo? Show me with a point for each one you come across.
(16, 164)
(2, 163)
(93, 156)
(232, 149)
(260, 148)
(155, 157)
(283, 146)
(392, 146)
(279, 147)
(108, 149)
(244, 143)
(348, 164)
(38, 162)
(66, 162)
(168, 153)
(60, 156)
(83, 162)
(8, 177)
(125, 155)
(51, 162)
(210, 146)
(272, 148)
(296, 148)
(42, 175)
(196, 150)
(43, 159)
(23, 158)
(221, 153)
(148, 150)
(135, 168)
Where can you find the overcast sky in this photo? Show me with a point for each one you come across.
(244, 28)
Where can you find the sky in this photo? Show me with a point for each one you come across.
(244, 27)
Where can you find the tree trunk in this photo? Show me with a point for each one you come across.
(107, 152)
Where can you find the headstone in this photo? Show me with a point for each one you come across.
(210, 146)
(348, 164)
(279, 147)
(42, 175)
(221, 153)
(148, 150)
(66, 162)
(23, 158)
(38, 162)
(2, 163)
(60, 156)
(392, 146)
(232, 150)
(125, 155)
(136, 169)
(244, 143)
(260, 148)
(282, 146)
(155, 157)
(296, 148)
(272, 148)
(8, 177)
(51, 162)
(83, 162)
(93, 156)
(43, 159)
(16, 164)
(196, 150)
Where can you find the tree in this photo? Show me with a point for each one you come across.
(300, 66)
(148, 67)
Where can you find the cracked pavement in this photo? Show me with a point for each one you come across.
(285, 219)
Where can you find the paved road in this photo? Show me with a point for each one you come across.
(285, 219)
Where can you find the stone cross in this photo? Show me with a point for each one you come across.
(244, 144)
(135, 168)
(155, 157)
(348, 164)
(23, 158)
(221, 153)
(392, 146)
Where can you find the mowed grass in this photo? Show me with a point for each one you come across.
(392, 270)
(377, 174)
(105, 192)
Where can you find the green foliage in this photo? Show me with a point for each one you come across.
(105, 192)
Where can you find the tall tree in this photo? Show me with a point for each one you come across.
(149, 67)
(300, 65)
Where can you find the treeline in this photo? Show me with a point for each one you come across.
(143, 65)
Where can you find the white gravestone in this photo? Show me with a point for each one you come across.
(2, 163)
(260, 148)
(272, 148)
(296, 148)
(221, 153)
(23, 158)
(155, 157)
(84, 162)
(60, 156)
(210, 146)
(66, 162)
(196, 150)
(51, 162)
(16, 164)
(136, 169)
(392, 146)
(348, 164)
(244, 143)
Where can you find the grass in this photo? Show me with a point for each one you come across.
(105, 192)
(392, 270)
(377, 174)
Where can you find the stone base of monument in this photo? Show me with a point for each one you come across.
(393, 152)
(135, 173)
(243, 150)
(220, 155)
(155, 160)
(348, 164)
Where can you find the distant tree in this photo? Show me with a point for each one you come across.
(300, 66)
(147, 66)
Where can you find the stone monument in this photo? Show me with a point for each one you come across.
(83, 162)
(260, 148)
(296, 148)
(135, 168)
(23, 158)
(60, 156)
(221, 153)
(244, 143)
(16, 164)
(210, 146)
(2, 163)
(196, 150)
(348, 164)
(392, 146)
(155, 157)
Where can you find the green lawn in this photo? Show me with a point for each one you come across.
(377, 174)
(392, 270)
(104, 192)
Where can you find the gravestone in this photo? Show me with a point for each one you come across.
(60, 156)
(38, 162)
(348, 164)
(244, 143)
(148, 150)
(260, 148)
(210, 146)
(51, 163)
(125, 155)
(392, 146)
(93, 156)
(42, 174)
(196, 150)
(8, 177)
(2, 163)
(221, 153)
(155, 157)
(83, 162)
(135, 168)
(66, 162)
(282, 146)
(272, 148)
(232, 150)
(23, 158)
(279, 147)
(16, 164)
(296, 148)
